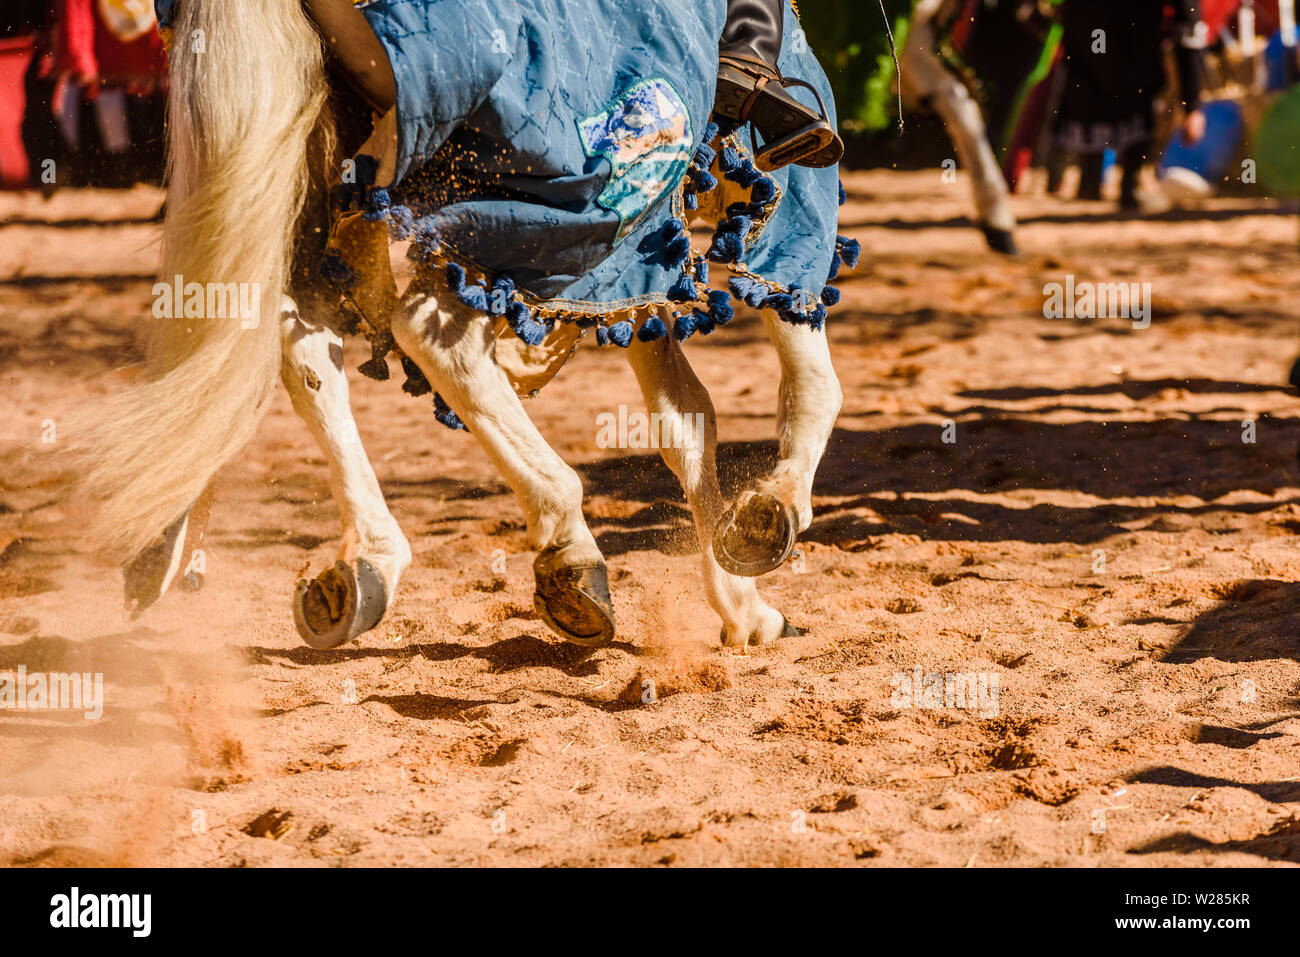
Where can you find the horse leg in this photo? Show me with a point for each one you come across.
(927, 79)
(453, 346)
(758, 532)
(350, 597)
(147, 577)
(676, 396)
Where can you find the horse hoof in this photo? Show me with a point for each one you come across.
(1000, 240)
(1293, 377)
(787, 631)
(340, 603)
(574, 600)
(147, 576)
(755, 538)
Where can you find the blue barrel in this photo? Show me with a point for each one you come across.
(1208, 159)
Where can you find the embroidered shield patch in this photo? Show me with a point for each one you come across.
(646, 136)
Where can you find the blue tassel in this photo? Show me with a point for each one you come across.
(749, 290)
(426, 246)
(726, 248)
(503, 290)
(836, 262)
(729, 240)
(850, 251)
(710, 132)
(652, 329)
(721, 311)
(703, 180)
(751, 210)
(728, 160)
(737, 173)
(521, 321)
(475, 297)
(704, 155)
(690, 199)
(745, 173)
(672, 228)
(677, 242)
(678, 251)
(442, 412)
(702, 269)
(472, 295)
(780, 302)
(703, 322)
(830, 296)
(620, 333)
(844, 196)
(377, 206)
(683, 290)
(401, 222)
(764, 191)
(684, 326)
(602, 335)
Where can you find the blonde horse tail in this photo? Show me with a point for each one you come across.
(247, 87)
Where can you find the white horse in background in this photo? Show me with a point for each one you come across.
(927, 83)
(257, 134)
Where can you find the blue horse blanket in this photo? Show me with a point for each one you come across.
(556, 146)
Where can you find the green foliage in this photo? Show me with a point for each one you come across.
(849, 38)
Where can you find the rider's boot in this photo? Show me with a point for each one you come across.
(752, 90)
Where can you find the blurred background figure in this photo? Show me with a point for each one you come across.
(1114, 56)
(81, 84)
(928, 83)
(22, 23)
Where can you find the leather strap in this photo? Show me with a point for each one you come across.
(751, 65)
(753, 98)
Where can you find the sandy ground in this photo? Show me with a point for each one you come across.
(1097, 538)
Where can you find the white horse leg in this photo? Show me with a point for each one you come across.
(926, 78)
(758, 532)
(352, 596)
(170, 559)
(676, 396)
(453, 346)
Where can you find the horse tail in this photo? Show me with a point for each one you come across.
(247, 88)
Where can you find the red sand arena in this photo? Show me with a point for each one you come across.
(1049, 598)
(1147, 710)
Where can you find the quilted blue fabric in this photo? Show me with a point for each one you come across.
(544, 139)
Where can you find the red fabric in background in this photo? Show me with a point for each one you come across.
(88, 50)
(74, 50)
(1222, 14)
(961, 30)
(15, 54)
(142, 63)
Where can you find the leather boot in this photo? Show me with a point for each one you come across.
(752, 90)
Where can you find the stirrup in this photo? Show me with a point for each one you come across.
(752, 92)
(816, 145)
